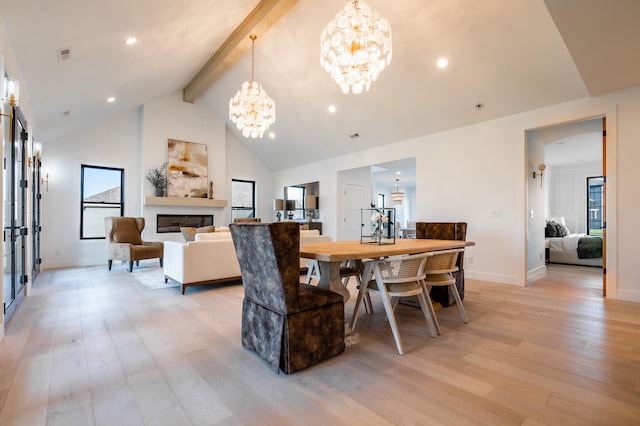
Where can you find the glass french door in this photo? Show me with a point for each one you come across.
(36, 197)
(14, 204)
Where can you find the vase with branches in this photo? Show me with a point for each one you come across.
(158, 178)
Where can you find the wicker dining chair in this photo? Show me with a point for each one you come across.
(393, 278)
(439, 270)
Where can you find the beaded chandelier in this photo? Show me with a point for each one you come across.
(251, 109)
(355, 47)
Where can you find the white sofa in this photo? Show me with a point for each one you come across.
(212, 258)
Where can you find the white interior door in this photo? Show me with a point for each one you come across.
(352, 202)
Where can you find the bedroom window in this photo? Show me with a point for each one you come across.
(595, 205)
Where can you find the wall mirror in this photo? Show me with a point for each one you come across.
(299, 200)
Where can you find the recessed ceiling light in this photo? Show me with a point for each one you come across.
(130, 40)
(398, 172)
(443, 62)
(272, 135)
(332, 109)
(111, 99)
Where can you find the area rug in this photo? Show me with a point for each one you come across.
(152, 278)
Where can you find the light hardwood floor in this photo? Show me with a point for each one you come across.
(92, 347)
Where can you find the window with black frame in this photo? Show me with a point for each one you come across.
(595, 205)
(243, 196)
(101, 195)
(295, 202)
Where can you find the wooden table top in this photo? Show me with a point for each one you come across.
(349, 250)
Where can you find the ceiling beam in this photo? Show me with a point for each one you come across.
(263, 17)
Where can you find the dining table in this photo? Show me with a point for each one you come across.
(331, 255)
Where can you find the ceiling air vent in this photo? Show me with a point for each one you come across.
(64, 54)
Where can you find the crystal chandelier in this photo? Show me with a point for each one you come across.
(397, 196)
(251, 109)
(355, 47)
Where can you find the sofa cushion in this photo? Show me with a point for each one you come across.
(213, 236)
(126, 231)
(189, 233)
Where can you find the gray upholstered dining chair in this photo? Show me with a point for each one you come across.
(348, 269)
(289, 324)
(396, 277)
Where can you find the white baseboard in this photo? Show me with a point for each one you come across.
(628, 295)
(496, 278)
(536, 272)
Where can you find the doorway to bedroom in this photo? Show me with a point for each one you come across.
(566, 192)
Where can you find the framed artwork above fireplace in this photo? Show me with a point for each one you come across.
(187, 169)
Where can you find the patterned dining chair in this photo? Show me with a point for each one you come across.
(289, 324)
(348, 269)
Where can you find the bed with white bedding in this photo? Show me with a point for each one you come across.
(565, 250)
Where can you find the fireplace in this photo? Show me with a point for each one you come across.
(173, 222)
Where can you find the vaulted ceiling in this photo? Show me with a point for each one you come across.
(510, 56)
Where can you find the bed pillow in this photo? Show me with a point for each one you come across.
(560, 221)
(563, 231)
(553, 230)
(550, 229)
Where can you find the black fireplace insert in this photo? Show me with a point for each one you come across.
(173, 222)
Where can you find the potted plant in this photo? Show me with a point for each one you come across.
(158, 178)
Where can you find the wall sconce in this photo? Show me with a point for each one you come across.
(11, 92)
(278, 206)
(311, 203)
(44, 179)
(37, 148)
(37, 154)
(541, 167)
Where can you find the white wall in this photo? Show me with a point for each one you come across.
(485, 184)
(167, 118)
(243, 164)
(136, 141)
(622, 219)
(536, 190)
(567, 189)
(114, 142)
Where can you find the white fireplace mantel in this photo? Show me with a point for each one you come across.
(184, 202)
